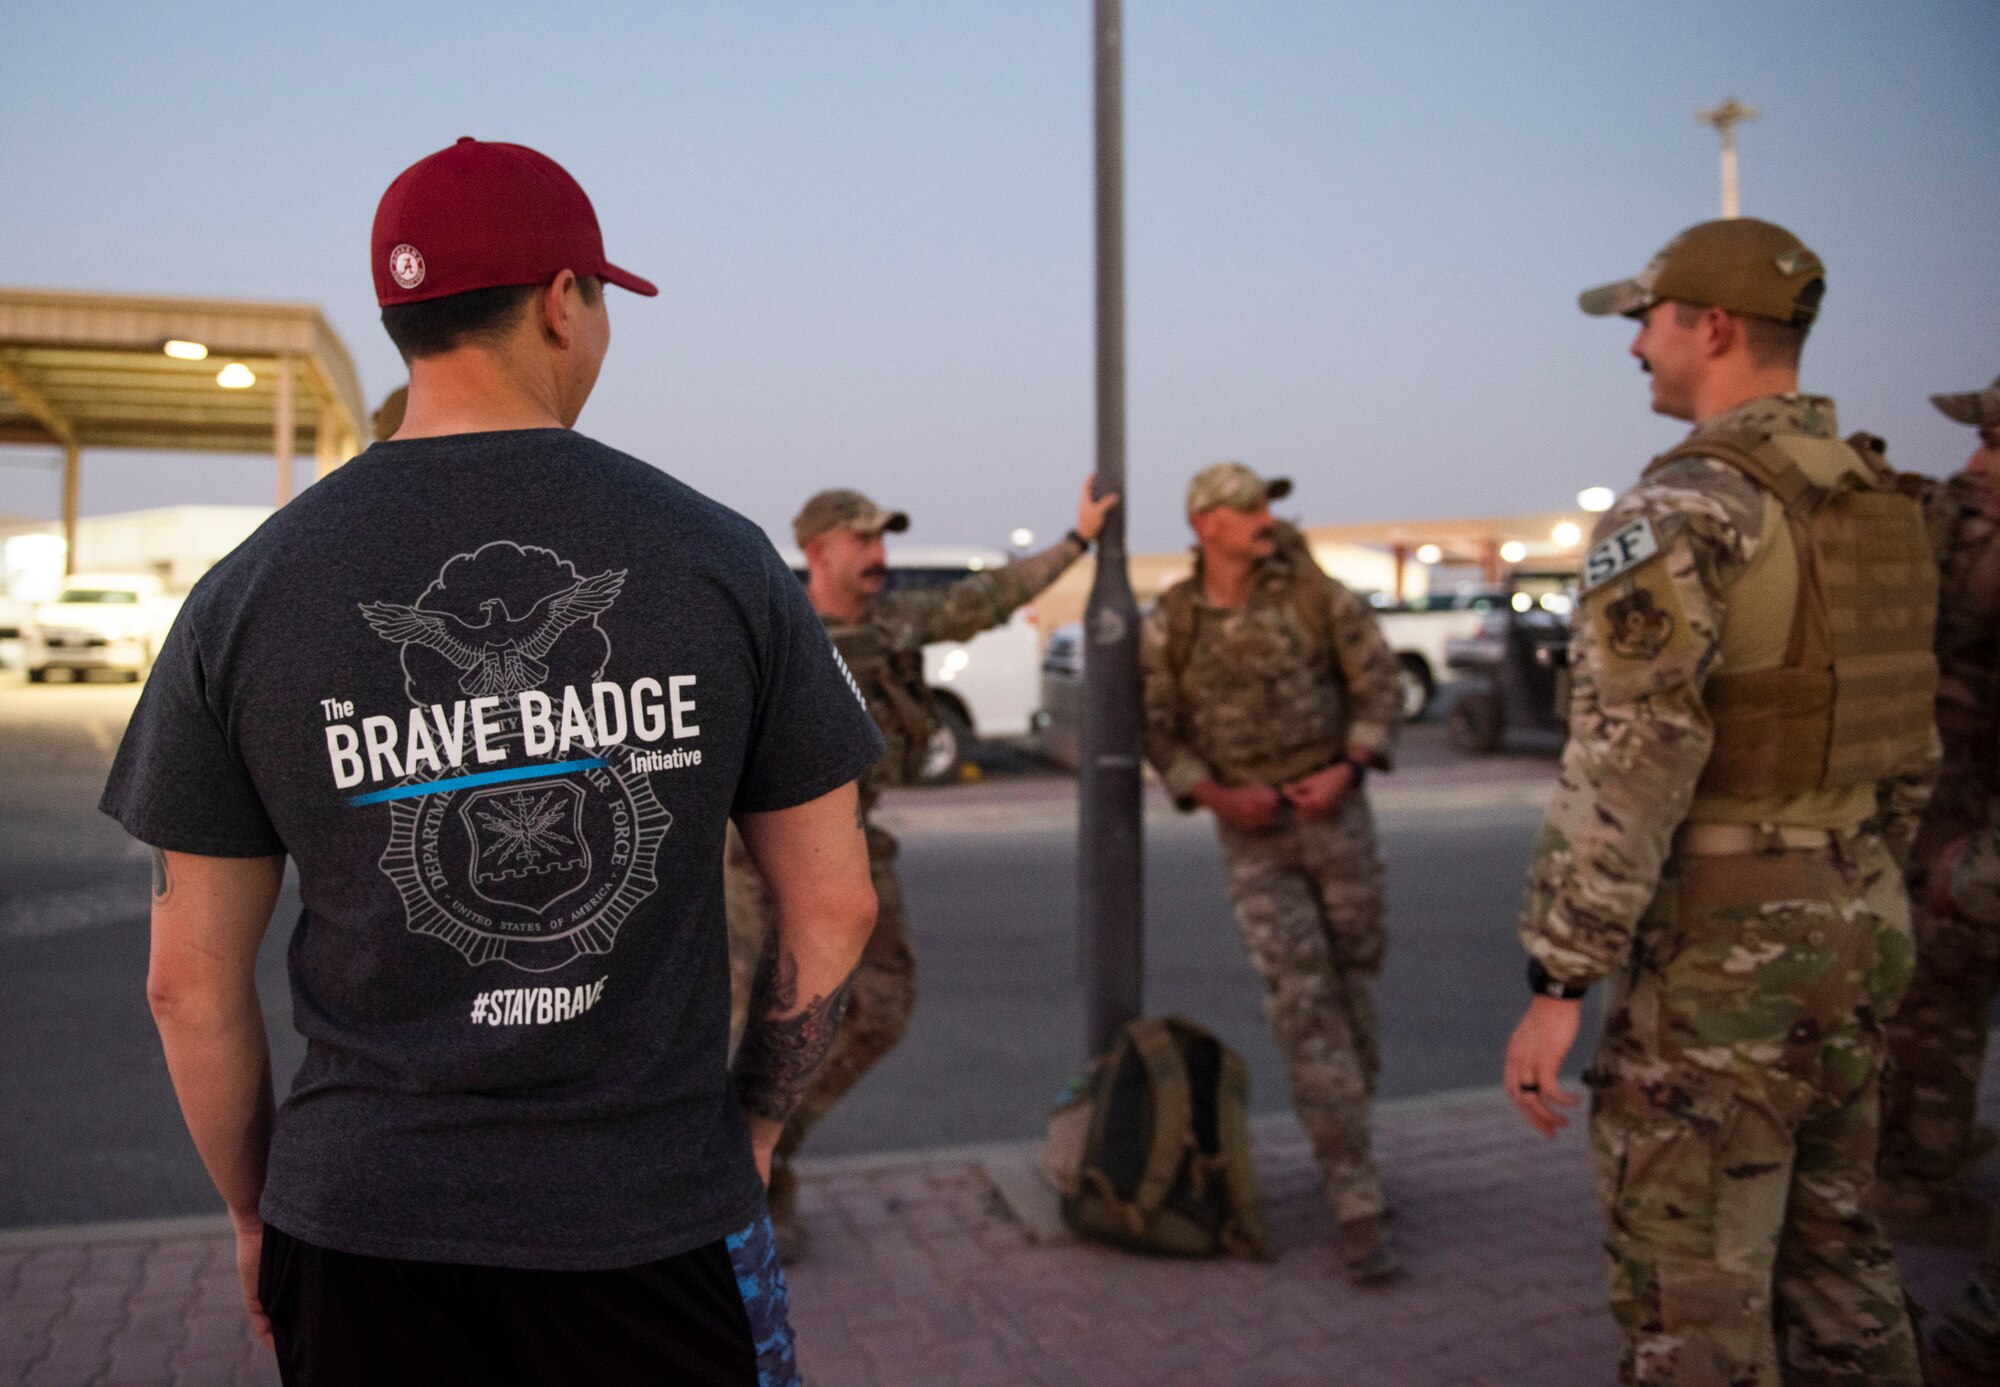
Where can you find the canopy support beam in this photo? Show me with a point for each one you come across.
(284, 431)
(38, 408)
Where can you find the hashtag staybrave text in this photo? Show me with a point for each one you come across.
(534, 1006)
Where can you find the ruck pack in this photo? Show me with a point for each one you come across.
(1151, 1150)
(1851, 702)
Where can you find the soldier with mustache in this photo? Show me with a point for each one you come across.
(882, 639)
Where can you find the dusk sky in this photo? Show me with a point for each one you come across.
(1355, 232)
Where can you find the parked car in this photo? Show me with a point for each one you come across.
(1059, 721)
(1516, 668)
(109, 621)
(984, 687)
(14, 618)
(1419, 630)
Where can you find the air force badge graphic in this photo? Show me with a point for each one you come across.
(528, 848)
(538, 870)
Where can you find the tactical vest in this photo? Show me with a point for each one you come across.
(1850, 703)
(1312, 605)
(892, 680)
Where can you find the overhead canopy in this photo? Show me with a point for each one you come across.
(95, 362)
(91, 371)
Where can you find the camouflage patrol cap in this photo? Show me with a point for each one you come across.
(841, 509)
(1232, 484)
(1979, 408)
(1738, 264)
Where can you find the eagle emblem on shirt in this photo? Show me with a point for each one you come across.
(500, 655)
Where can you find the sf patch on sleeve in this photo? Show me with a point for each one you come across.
(1618, 552)
(1633, 603)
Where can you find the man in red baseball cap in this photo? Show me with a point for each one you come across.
(497, 690)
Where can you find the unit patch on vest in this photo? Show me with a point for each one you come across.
(1639, 618)
(1621, 551)
(1634, 626)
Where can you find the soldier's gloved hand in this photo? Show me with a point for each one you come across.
(1091, 510)
(1315, 797)
(1251, 808)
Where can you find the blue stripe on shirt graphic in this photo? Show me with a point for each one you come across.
(466, 782)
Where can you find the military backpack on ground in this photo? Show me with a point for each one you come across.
(1151, 1151)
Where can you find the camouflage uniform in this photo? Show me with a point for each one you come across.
(1971, 1329)
(1258, 694)
(1735, 1088)
(884, 991)
(1937, 1041)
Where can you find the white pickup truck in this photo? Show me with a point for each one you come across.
(1417, 631)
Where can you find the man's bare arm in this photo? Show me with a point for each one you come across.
(209, 916)
(815, 860)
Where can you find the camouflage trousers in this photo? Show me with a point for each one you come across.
(1734, 1117)
(1971, 1329)
(1937, 1039)
(1937, 1049)
(1308, 901)
(879, 1000)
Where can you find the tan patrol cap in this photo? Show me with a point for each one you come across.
(1738, 264)
(841, 509)
(1978, 408)
(1232, 484)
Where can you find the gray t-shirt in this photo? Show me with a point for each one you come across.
(497, 695)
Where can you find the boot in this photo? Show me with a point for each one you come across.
(1364, 1251)
(1940, 1215)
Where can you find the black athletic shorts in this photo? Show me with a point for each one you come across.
(717, 1315)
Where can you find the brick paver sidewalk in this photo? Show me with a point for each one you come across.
(919, 1276)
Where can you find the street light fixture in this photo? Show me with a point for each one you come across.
(1429, 553)
(184, 351)
(236, 376)
(1513, 551)
(1725, 118)
(1596, 499)
(1566, 534)
(1022, 537)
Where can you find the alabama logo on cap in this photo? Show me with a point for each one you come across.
(406, 266)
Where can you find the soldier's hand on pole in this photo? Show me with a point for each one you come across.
(1535, 1055)
(1251, 808)
(1315, 797)
(1091, 510)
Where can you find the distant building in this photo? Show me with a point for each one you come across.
(177, 544)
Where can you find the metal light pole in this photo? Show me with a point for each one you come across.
(1725, 118)
(1110, 891)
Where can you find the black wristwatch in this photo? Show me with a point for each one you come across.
(1543, 984)
(1081, 542)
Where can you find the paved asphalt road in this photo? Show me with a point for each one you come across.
(88, 1127)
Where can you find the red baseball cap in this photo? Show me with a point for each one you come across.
(480, 215)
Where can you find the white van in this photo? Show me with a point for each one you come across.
(988, 686)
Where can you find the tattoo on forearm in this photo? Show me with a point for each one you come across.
(163, 884)
(780, 1052)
